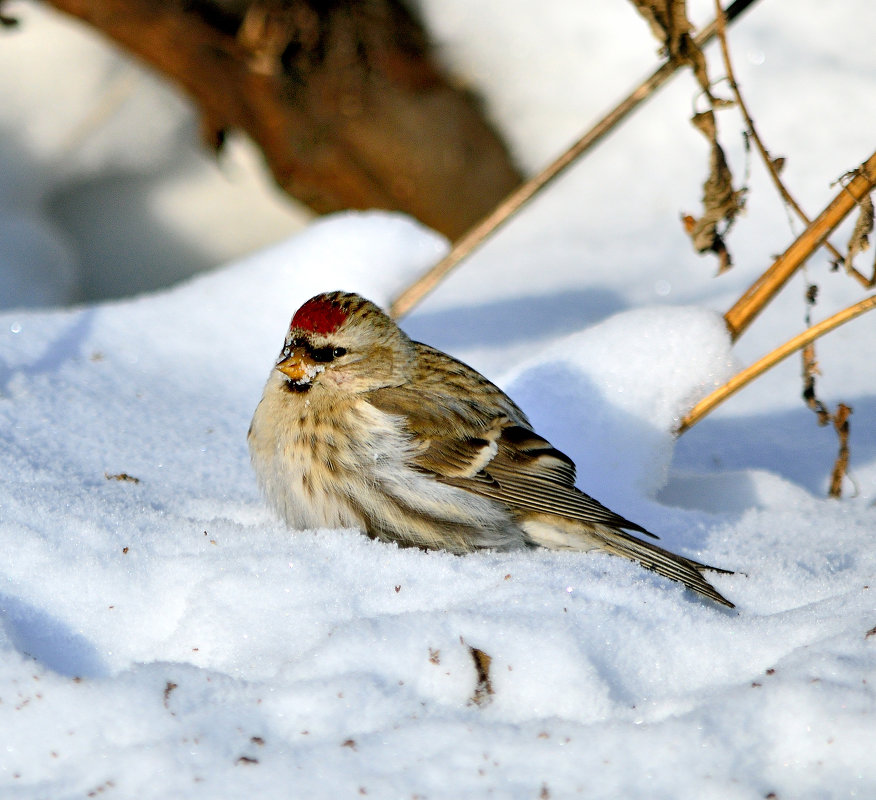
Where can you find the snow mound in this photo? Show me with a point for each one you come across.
(162, 635)
(612, 395)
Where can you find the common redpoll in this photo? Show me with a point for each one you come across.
(359, 426)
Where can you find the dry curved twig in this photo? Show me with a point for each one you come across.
(773, 165)
(464, 246)
(746, 376)
(758, 295)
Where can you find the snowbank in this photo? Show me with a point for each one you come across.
(162, 635)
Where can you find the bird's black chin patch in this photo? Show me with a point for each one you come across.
(298, 387)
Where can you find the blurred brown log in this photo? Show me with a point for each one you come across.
(342, 96)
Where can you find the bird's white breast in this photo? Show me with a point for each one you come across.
(300, 460)
(324, 462)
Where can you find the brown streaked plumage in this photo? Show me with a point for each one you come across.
(361, 427)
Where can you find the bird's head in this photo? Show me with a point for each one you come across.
(341, 341)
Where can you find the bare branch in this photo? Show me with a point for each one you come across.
(841, 467)
(738, 381)
(758, 295)
(773, 165)
(474, 237)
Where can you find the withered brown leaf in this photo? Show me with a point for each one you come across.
(670, 25)
(484, 687)
(721, 202)
(860, 239)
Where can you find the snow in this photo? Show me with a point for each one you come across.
(162, 635)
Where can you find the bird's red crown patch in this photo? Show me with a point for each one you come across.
(319, 316)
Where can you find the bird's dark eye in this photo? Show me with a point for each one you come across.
(322, 354)
(339, 351)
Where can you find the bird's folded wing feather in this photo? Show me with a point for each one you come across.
(445, 397)
(529, 474)
(458, 437)
(478, 440)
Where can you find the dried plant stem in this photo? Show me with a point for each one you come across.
(121, 86)
(759, 294)
(840, 418)
(767, 159)
(841, 467)
(747, 375)
(463, 246)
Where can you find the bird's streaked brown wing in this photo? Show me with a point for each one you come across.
(459, 438)
(529, 474)
(446, 398)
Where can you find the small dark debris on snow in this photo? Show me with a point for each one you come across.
(121, 476)
(168, 688)
(484, 687)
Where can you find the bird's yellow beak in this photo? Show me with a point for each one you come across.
(293, 368)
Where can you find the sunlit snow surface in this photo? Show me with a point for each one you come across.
(160, 637)
(163, 636)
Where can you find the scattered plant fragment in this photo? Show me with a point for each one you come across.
(168, 690)
(860, 238)
(839, 418)
(669, 24)
(121, 476)
(484, 687)
(721, 202)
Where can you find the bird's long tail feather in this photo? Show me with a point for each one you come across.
(620, 543)
(678, 568)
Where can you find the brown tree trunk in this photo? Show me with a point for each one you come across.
(342, 96)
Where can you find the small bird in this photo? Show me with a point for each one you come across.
(361, 427)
